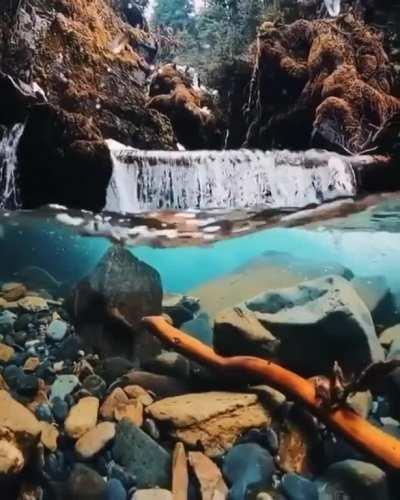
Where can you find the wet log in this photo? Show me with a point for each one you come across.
(383, 447)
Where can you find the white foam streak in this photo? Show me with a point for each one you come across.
(8, 166)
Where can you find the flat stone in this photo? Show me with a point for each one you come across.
(6, 353)
(137, 392)
(49, 436)
(63, 385)
(82, 417)
(33, 304)
(215, 419)
(13, 291)
(109, 405)
(141, 456)
(93, 441)
(57, 330)
(180, 473)
(132, 411)
(31, 364)
(210, 478)
(85, 483)
(153, 494)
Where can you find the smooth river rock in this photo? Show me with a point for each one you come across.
(82, 417)
(95, 440)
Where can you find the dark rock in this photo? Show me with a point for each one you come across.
(180, 308)
(356, 479)
(15, 100)
(95, 385)
(266, 438)
(22, 322)
(85, 484)
(169, 363)
(56, 467)
(248, 468)
(60, 409)
(115, 490)
(127, 479)
(161, 385)
(43, 413)
(27, 385)
(141, 456)
(113, 368)
(200, 327)
(132, 289)
(12, 374)
(20, 337)
(296, 487)
(68, 349)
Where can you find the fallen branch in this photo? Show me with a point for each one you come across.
(384, 447)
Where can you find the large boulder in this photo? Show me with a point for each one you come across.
(109, 304)
(317, 322)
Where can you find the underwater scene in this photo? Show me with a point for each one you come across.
(268, 354)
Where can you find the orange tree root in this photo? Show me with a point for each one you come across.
(384, 447)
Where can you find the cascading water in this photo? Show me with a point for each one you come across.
(8, 166)
(148, 180)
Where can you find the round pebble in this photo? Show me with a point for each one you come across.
(43, 413)
(60, 409)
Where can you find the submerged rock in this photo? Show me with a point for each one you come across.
(319, 322)
(248, 468)
(85, 483)
(141, 456)
(109, 304)
(213, 419)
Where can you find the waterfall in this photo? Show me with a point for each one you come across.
(148, 180)
(8, 166)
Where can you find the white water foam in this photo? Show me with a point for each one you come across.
(8, 166)
(150, 180)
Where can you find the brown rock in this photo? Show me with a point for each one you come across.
(3, 303)
(215, 419)
(211, 482)
(180, 475)
(133, 411)
(31, 364)
(137, 392)
(117, 397)
(49, 436)
(6, 353)
(12, 459)
(389, 335)
(13, 291)
(16, 417)
(33, 304)
(95, 440)
(294, 449)
(153, 494)
(3, 384)
(82, 417)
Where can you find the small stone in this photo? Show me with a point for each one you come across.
(13, 291)
(20, 337)
(95, 386)
(117, 397)
(115, 490)
(212, 484)
(63, 385)
(33, 304)
(153, 494)
(49, 436)
(141, 456)
(31, 364)
(180, 474)
(133, 411)
(57, 330)
(85, 483)
(296, 487)
(11, 375)
(82, 417)
(27, 385)
(93, 441)
(6, 353)
(115, 471)
(60, 409)
(43, 413)
(137, 392)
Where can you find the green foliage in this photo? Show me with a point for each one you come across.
(175, 14)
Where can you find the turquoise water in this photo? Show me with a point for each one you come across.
(366, 243)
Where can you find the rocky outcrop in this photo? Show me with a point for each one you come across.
(333, 76)
(86, 68)
(193, 114)
(108, 306)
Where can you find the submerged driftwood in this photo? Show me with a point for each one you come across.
(384, 447)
